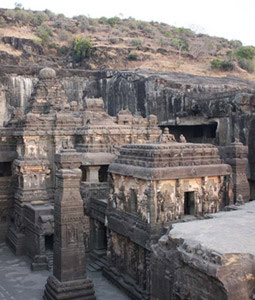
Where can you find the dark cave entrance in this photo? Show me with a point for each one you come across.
(103, 173)
(5, 169)
(84, 173)
(189, 203)
(49, 241)
(204, 133)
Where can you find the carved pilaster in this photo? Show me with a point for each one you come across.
(69, 273)
(236, 155)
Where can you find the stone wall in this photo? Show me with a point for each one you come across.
(130, 263)
(6, 204)
(178, 274)
(207, 259)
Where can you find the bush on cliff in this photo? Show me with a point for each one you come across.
(247, 64)
(113, 21)
(82, 48)
(223, 65)
(245, 52)
(44, 32)
(245, 56)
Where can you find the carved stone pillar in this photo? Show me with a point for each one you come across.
(236, 155)
(92, 173)
(31, 171)
(69, 273)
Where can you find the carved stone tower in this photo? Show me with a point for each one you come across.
(69, 274)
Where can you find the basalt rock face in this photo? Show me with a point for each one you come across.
(25, 45)
(173, 97)
(176, 99)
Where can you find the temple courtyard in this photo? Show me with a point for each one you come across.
(18, 282)
(223, 232)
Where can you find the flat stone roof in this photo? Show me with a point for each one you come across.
(226, 232)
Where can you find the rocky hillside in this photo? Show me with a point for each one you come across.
(44, 38)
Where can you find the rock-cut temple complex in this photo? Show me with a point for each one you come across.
(77, 184)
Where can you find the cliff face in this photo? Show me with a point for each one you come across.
(204, 109)
(168, 95)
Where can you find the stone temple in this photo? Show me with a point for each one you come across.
(77, 183)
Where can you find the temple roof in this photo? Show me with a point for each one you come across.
(169, 160)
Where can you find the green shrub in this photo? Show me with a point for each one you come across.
(19, 14)
(229, 53)
(52, 45)
(216, 63)
(113, 21)
(52, 16)
(24, 16)
(44, 32)
(83, 22)
(218, 47)
(63, 35)
(3, 23)
(183, 32)
(102, 20)
(245, 52)
(247, 64)
(223, 65)
(114, 40)
(133, 56)
(227, 65)
(146, 28)
(136, 42)
(39, 17)
(167, 34)
(61, 17)
(180, 44)
(164, 42)
(92, 29)
(141, 25)
(9, 13)
(63, 50)
(82, 48)
(38, 42)
(236, 44)
(132, 24)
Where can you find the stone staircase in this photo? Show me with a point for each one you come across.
(49, 255)
(98, 264)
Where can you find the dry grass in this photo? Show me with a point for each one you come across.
(114, 55)
(8, 49)
(20, 32)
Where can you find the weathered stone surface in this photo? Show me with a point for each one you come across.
(153, 186)
(25, 45)
(159, 178)
(69, 273)
(212, 259)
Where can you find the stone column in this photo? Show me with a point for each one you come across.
(69, 273)
(92, 173)
(235, 155)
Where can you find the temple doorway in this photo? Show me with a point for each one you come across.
(49, 240)
(189, 203)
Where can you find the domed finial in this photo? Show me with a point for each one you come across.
(47, 73)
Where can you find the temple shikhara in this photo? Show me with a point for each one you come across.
(79, 185)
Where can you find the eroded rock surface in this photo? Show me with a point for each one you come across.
(207, 259)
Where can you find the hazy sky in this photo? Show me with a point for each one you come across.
(232, 19)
